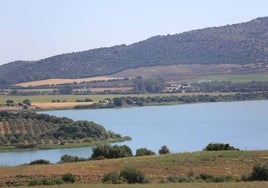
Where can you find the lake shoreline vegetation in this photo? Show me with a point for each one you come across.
(129, 101)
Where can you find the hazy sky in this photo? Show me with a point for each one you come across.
(36, 29)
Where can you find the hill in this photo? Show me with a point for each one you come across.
(29, 130)
(156, 167)
(242, 43)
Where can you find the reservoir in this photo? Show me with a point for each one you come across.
(183, 128)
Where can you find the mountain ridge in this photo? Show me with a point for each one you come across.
(241, 43)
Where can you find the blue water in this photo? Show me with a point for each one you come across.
(182, 128)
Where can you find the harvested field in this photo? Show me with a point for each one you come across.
(65, 81)
(55, 105)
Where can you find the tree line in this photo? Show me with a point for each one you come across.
(172, 99)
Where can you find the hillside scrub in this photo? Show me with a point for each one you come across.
(242, 43)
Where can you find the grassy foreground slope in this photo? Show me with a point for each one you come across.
(181, 185)
(155, 168)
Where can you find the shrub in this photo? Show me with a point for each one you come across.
(109, 152)
(111, 177)
(45, 181)
(164, 150)
(206, 177)
(39, 161)
(219, 147)
(69, 178)
(144, 151)
(69, 158)
(259, 173)
(132, 175)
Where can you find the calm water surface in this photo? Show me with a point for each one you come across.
(182, 128)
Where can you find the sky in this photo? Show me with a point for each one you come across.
(36, 29)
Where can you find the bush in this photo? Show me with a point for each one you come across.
(132, 175)
(144, 151)
(109, 152)
(219, 147)
(45, 181)
(69, 178)
(69, 158)
(111, 177)
(259, 173)
(164, 150)
(39, 161)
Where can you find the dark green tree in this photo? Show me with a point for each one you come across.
(117, 101)
(65, 90)
(144, 151)
(164, 150)
(27, 102)
(9, 102)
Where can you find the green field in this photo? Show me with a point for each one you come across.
(95, 98)
(238, 78)
(179, 185)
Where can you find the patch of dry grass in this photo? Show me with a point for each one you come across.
(55, 105)
(65, 81)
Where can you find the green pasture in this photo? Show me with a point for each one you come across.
(73, 98)
(238, 78)
(177, 185)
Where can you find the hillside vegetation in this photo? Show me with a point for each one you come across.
(157, 168)
(31, 130)
(242, 43)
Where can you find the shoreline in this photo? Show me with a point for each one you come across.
(66, 146)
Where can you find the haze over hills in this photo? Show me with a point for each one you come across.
(242, 43)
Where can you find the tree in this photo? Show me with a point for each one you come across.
(164, 150)
(117, 101)
(109, 152)
(139, 85)
(219, 147)
(9, 102)
(144, 151)
(65, 90)
(27, 102)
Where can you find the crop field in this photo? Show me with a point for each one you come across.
(181, 185)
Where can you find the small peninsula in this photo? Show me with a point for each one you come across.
(30, 130)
